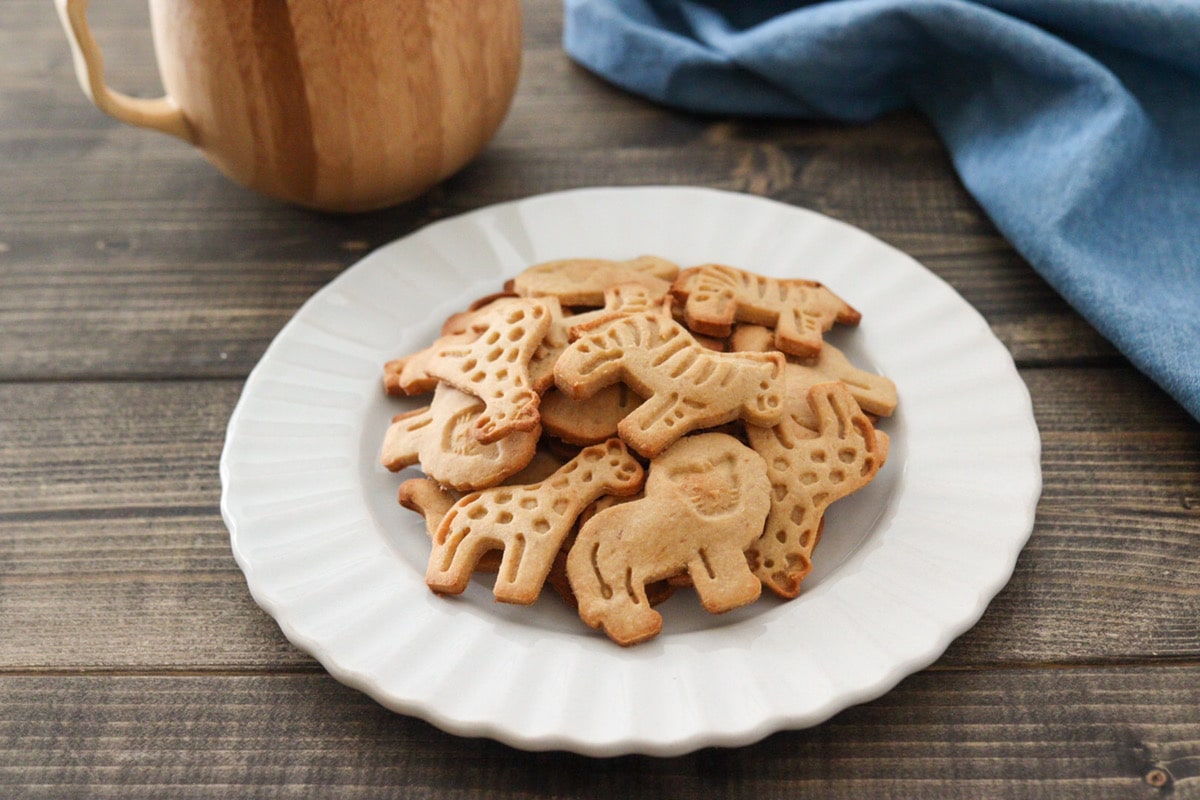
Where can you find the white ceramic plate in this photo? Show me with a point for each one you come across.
(904, 566)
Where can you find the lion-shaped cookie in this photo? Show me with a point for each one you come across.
(706, 499)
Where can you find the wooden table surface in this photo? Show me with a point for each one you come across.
(138, 288)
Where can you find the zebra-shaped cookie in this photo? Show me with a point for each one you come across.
(687, 386)
(623, 298)
(800, 311)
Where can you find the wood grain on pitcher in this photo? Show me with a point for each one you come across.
(284, 101)
(340, 106)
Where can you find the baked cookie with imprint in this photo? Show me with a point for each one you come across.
(545, 463)
(874, 393)
(810, 467)
(657, 592)
(440, 438)
(529, 523)
(590, 420)
(489, 360)
(621, 298)
(706, 499)
(714, 296)
(428, 498)
(582, 281)
(686, 385)
(410, 375)
(461, 321)
(433, 501)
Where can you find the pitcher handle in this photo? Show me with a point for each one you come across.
(160, 114)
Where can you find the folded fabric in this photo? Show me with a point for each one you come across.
(1074, 123)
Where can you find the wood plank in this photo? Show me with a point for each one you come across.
(79, 450)
(1079, 733)
(113, 551)
(138, 287)
(1115, 544)
(132, 258)
(209, 273)
(177, 620)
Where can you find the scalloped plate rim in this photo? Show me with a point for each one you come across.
(1025, 448)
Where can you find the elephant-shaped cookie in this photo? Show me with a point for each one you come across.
(583, 281)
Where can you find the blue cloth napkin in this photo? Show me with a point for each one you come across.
(1074, 123)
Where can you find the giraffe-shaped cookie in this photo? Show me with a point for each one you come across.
(800, 311)
(529, 523)
(489, 360)
(706, 498)
(433, 501)
(686, 385)
(582, 281)
(440, 438)
(809, 469)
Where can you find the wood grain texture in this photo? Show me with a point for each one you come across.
(1087, 733)
(108, 515)
(331, 106)
(178, 298)
(138, 287)
(199, 275)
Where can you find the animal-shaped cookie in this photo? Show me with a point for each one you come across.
(590, 420)
(809, 469)
(429, 499)
(582, 281)
(489, 360)
(529, 523)
(686, 385)
(875, 393)
(706, 499)
(656, 592)
(623, 298)
(800, 311)
(433, 501)
(440, 438)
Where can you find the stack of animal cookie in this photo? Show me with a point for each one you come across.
(620, 429)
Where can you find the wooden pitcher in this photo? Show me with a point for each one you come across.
(338, 105)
